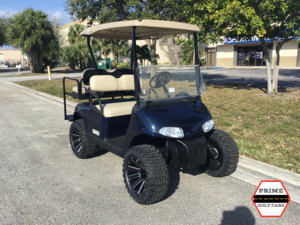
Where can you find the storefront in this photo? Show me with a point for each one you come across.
(233, 53)
(250, 56)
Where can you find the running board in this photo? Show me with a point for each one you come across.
(106, 145)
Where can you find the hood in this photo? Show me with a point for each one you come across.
(186, 114)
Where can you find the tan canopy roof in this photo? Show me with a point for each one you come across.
(144, 29)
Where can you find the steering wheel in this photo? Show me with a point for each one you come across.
(160, 79)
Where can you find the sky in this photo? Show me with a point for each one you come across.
(51, 7)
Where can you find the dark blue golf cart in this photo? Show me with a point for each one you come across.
(150, 115)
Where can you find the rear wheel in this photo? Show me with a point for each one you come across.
(146, 174)
(82, 146)
(223, 154)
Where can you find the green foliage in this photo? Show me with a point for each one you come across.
(3, 25)
(245, 18)
(74, 34)
(32, 31)
(123, 65)
(111, 10)
(102, 11)
(186, 53)
(116, 47)
(75, 55)
(143, 53)
(196, 12)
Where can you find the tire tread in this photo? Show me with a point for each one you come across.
(156, 166)
(88, 147)
(230, 154)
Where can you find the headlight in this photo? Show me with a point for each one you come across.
(174, 132)
(207, 126)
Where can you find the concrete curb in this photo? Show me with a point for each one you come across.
(249, 170)
(43, 96)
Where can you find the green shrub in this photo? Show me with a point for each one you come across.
(123, 65)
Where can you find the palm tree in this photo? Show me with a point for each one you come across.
(122, 49)
(69, 56)
(143, 53)
(3, 25)
(32, 31)
(74, 34)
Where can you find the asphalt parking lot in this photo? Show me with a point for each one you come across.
(42, 182)
(255, 76)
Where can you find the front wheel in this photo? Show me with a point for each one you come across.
(223, 154)
(146, 174)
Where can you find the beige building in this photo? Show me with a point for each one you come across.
(233, 53)
(11, 57)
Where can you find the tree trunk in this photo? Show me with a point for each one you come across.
(35, 61)
(152, 47)
(276, 71)
(71, 67)
(266, 54)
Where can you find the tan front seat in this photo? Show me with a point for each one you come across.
(117, 109)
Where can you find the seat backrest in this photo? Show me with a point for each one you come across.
(108, 83)
(117, 73)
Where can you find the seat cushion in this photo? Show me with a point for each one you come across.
(103, 83)
(117, 109)
(84, 89)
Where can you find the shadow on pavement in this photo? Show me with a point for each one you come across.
(240, 215)
(11, 69)
(214, 76)
(260, 83)
(290, 73)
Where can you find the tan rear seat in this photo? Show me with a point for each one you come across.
(107, 83)
(84, 89)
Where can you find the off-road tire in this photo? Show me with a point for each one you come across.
(88, 148)
(156, 173)
(229, 151)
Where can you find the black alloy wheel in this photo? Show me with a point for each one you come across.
(215, 155)
(136, 176)
(76, 140)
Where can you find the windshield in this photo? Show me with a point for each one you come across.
(170, 82)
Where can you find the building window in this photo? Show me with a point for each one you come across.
(250, 56)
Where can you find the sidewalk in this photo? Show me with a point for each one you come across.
(40, 77)
(249, 170)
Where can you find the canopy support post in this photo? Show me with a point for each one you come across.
(131, 57)
(197, 62)
(91, 52)
(134, 63)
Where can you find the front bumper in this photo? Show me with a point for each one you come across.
(188, 153)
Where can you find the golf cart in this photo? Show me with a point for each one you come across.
(151, 116)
